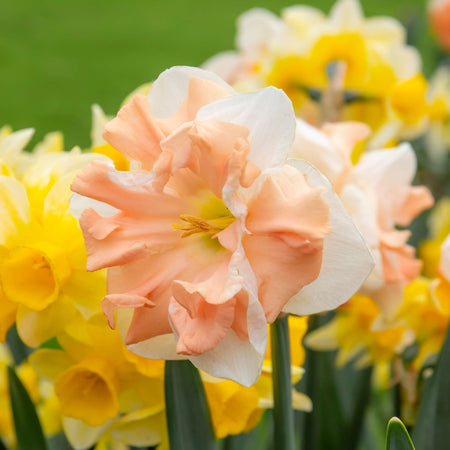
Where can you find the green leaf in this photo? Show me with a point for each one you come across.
(26, 422)
(52, 344)
(188, 419)
(397, 437)
(283, 414)
(19, 350)
(432, 429)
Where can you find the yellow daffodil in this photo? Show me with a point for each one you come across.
(44, 285)
(426, 310)
(439, 226)
(356, 333)
(95, 377)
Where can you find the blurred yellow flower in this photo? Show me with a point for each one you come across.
(356, 332)
(426, 310)
(44, 285)
(95, 379)
(439, 227)
(363, 65)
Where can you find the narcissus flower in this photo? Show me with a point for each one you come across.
(212, 233)
(44, 285)
(377, 193)
(340, 67)
(96, 377)
(356, 336)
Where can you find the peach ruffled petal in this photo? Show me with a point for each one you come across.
(135, 133)
(148, 322)
(206, 148)
(419, 199)
(150, 277)
(201, 327)
(399, 263)
(288, 221)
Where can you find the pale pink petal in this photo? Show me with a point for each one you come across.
(135, 133)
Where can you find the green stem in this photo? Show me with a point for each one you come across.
(283, 414)
(188, 420)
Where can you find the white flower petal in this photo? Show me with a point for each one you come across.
(269, 116)
(347, 260)
(302, 17)
(82, 436)
(346, 15)
(225, 64)
(170, 89)
(256, 28)
(385, 29)
(389, 173)
(314, 146)
(406, 61)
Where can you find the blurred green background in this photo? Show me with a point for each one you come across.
(57, 57)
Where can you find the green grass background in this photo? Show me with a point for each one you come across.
(57, 57)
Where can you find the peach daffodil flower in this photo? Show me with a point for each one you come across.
(377, 193)
(213, 233)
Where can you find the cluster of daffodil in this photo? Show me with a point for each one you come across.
(214, 203)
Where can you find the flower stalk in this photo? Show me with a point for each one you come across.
(283, 414)
(188, 419)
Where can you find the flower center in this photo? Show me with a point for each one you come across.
(212, 217)
(194, 225)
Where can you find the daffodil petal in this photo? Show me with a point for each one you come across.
(347, 261)
(269, 116)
